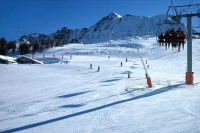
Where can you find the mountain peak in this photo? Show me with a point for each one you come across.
(114, 15)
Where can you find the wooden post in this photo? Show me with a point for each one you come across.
(98, 69)
(90, 66)
(129, 74)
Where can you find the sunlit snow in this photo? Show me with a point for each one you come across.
(65, 95)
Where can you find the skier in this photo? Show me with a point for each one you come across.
(182, 37)
(161, 39)
(167, 39)
(174, 39)
(179, 30)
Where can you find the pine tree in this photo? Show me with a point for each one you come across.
(3, 47)
(24, 48)
(51, 43)
(57, 43)
(47, 44)
(12, 46)
(35, 47)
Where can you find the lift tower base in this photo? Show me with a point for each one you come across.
(189, 78)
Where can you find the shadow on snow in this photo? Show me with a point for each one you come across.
(72, 106)
(155, 92)
(112, 80)
(73, 94)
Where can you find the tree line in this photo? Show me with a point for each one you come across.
(7, 46)
(27, 47)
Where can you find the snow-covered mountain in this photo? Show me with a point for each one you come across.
(34, 36)
(112, 26)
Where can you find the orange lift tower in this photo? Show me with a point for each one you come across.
(187, 11)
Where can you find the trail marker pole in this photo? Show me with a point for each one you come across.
(110, 38)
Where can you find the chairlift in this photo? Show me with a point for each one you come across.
(175, 37)
(172, 19)
(172, 38)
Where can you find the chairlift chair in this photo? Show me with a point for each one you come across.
(171, 20)
(174, 19)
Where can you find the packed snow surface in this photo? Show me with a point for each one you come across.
(65, 95)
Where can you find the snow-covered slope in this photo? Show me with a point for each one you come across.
(65, 96)
(114, 26)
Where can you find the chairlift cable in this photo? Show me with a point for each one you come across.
(172, 3)
(191, 2)
(196, 22)
(172, 6)
(163, 55)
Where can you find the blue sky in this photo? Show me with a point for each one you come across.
(47, 16)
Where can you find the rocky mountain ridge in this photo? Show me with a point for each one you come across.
(111, 27)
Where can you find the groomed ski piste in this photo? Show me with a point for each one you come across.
(64, 95)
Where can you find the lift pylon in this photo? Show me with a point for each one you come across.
(186, 12)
